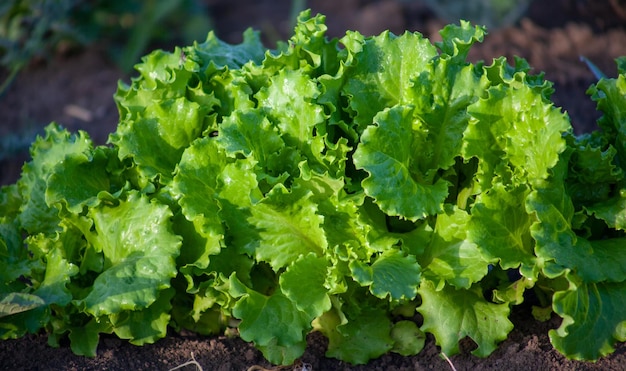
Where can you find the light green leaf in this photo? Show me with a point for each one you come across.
(17, 302)
(392, 274)
(289, 103)
(248, 132)
(451, 256)
(77, 181)
(273, 322)
(53, 288)
(308, 50)
(452, 314)
(457, 40)
(288, 225)
(139, 252)
(194, 255)
(384, 71)
(282, 354)
(500, 226)
(195, 186)
(157, 137)
(147, 325)
(35, 214)
(408, 338)
(391, 153)
(159, 68)
(442, 95)
(304, 284)
(339, 209)
(524, 133)
(238, 190)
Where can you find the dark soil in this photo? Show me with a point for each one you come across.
(76, 90)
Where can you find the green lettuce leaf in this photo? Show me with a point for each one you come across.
(289, 226)
(272, 322)
(303, 283)
(14, 258)
(78, 181)
(452, 257)
(442, 94)
(17, 302)
(156, 139)
(524, 132)
(592, 260)
(408, 338)
(612, 211)
(331, 185)
(195, 187)
(593, 313)
(28, 312)
(610, 97)
(383, 71)
(35, 214)
(392, 275)
(221, 54)
(288, 102)
(391, 153)
(147, 325)
(139, 252)
(239, 189)
(84, 339)
(502, 228)
(356, 340)
(452, 314)
(308, 50)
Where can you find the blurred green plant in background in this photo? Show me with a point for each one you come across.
(490, 13)
(31, 29)
(37, 28)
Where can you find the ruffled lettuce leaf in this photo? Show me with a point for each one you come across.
(383, 71)
(356, 340)
(524, 135)
(564, 250)
(452, 257)
(391, 153)
(139, 252)
(593, 313)
(452, 314)
(501, 228)
(195, 187)
(288, 225)
(391, 275)
(610, 98)
(35, 214)
(272, 322)
(84, 179)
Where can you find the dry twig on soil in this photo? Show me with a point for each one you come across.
(192, 362)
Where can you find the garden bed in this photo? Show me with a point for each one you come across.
(75, 90)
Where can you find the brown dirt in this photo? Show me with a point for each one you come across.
(76, 90)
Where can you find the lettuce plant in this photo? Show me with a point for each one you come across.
(369, 188)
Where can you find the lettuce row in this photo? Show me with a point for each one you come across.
(344, 186)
